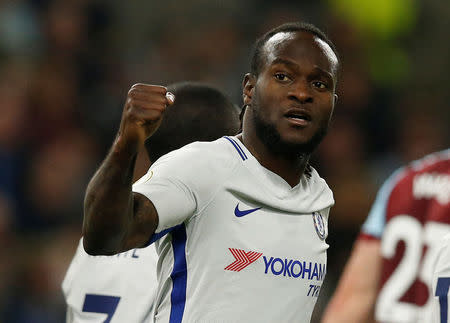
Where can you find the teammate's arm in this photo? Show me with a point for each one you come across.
(354, 299)
(115, 218)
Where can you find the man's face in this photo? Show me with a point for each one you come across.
(293, 97)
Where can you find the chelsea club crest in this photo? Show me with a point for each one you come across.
(319, 225)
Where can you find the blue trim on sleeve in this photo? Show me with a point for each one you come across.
(237, 147)
(376, 221)
(179, 274)
(158, 235)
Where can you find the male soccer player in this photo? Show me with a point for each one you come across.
(121, 288)
(389, 274)
(241, 221)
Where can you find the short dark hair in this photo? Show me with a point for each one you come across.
(200, 113)
(256, 60)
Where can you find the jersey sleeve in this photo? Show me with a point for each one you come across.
(168, 185)
(374, 225)
(75, 264)
(181, 183)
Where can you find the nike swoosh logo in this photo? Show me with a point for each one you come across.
(240, 213)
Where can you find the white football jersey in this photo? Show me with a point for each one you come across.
(441, 283)
(236, 242)
(119, 288)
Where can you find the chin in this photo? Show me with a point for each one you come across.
(302, 143)
(295, 139)
(296, 147)
(287, 140)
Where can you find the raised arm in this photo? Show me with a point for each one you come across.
(355, 295)
(115, 218)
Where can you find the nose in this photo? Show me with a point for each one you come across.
(300, 92)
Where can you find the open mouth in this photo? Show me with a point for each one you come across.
(298, 117)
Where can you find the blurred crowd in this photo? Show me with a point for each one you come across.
(66, 66)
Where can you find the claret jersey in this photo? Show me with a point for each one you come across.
(410, 216)
(111, 289)
(236, 243)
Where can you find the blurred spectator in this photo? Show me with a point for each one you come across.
(53, 100)
(13, 130)
(8, 259)
(19, 31)
(56, 181)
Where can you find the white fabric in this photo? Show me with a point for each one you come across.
(130, 276)
(200, 186)
(441, 271)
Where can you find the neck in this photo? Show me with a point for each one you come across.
(289, 167)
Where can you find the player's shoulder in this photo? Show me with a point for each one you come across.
(438, 161)
(426, 164)
(424, 172)
(417, 179)
(196, 161)
(199, 153)
(375, 223)
(319, 185)
(74, 266)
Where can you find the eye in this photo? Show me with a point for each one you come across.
(320, 85)
(282, 77)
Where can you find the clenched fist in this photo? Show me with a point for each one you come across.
(142, 114)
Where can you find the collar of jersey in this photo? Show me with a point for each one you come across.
(276, 183)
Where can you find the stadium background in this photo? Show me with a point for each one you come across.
(65, 68)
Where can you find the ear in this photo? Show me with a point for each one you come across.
(335, 99)
(248, 84)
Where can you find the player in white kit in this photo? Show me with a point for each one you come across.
(121, 288)
(441, 282)
(240, 223)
